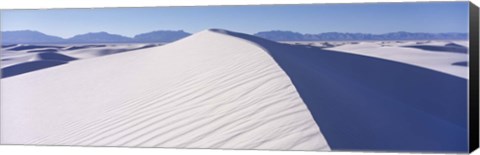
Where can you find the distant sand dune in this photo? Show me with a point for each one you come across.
(28, 67)
(53, 56)
(435, 55)
(9, 46)
(21, 54)
(92, 51)
(43, 50)
(39, 61)
(447, 48)
(82, 47)
(30, 47)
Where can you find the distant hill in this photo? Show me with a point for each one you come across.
(27, 36)
(161, 36)
(336, 36)
(35, 37)
(99, 37)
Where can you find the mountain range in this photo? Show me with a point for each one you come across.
(28, 36)
(35, 37)
(163, 36)
(99, 37)
(337, 36)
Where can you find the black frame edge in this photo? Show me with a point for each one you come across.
(474, 77)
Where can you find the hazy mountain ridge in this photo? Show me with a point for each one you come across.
(28, 36)
(35, 37)
(99, 37)
(337, 36)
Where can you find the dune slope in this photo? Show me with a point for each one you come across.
(209, 90)
(366, 103)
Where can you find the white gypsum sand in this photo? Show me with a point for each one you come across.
(22, 53)
(396, 51)
(209, 90)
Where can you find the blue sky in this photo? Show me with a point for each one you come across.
(365, 18)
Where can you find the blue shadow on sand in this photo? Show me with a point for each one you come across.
(44, 60)
(451, 47)
(28, 67)
(461, 63)
(365, 103)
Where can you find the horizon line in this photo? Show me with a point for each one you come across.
(181, 30)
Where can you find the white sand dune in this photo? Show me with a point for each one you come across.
(24, 58)
(96, 51)
(222, 89)
(441, 57)
(209, 90)
(368, 103)
(22, 53)
(438, 61)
